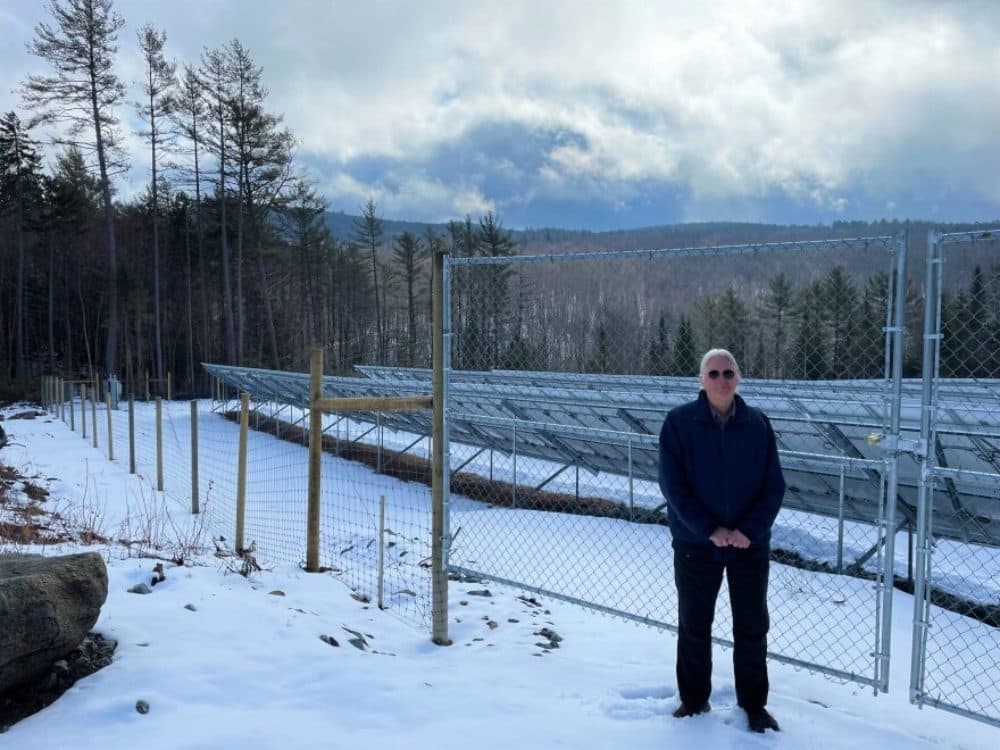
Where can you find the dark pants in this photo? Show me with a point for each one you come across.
(698, 574)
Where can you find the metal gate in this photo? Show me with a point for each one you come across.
(560, 368)
(956, 639)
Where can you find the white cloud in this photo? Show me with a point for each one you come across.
(739, 98)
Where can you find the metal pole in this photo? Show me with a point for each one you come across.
(378, 441)
(83, 412)
(513, 450)
(111, 434)
(315, 459)
(131, 433)
(170, 387)
(241, 471)
(195, 500)
(892, 487)
(932, 340)
(440, 461)
(840, 524)
(631, 484)
(381, 551)
(159, 444)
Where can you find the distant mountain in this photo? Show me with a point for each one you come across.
(546, 240)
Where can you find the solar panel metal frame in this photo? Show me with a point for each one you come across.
(599, 430)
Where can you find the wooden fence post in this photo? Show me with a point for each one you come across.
(111, 434)
(195, 501)
(241, 471)
(159, 444)
(315, 458)
(131, 433)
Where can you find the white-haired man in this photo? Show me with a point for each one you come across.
(720, 475)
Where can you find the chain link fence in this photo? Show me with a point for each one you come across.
(563, 368)
(956, 655)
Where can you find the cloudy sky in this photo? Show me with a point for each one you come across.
(599, 115)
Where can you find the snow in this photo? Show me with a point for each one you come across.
(246, 667)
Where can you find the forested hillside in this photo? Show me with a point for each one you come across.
(232, 254)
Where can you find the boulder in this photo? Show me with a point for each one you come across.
(47, 607)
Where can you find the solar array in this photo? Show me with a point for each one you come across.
(830, 433)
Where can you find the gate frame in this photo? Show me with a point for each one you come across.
(885, 522)
(929, 470)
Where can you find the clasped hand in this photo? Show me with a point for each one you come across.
(729, 538)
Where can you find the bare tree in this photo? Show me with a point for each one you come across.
(83, 94)
(187, 111)
(216, 86)
(157, 85)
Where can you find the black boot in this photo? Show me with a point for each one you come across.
(684, 710)
(760, 721)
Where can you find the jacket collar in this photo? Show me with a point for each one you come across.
(704, 413)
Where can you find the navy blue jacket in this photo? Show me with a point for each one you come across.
(713, 476)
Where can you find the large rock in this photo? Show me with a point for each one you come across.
(47, 606)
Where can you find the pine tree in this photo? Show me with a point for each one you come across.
(368, 231)
(406, 254)
(84, 93)
(777, 312)
(685, 356)
(494, 242)
(20, 173)
(158, 85)
(659, 349)
(839, 307)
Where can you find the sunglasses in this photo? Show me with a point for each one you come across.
(727, 374)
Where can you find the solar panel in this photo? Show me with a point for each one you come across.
(827, 431)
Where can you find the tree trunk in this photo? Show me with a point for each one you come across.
(111, 344)
(52, 302)
(190, 301)
(157, 339)
(19, 290)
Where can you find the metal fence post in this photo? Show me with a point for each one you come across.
(83, 412)
(513, 473)
(315, 459)
(921, 603)
(381, 551)
(440, 474)
(195, 500)
(241, 472)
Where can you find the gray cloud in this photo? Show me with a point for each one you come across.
(843, 108)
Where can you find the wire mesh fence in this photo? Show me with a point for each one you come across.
(957, 619)
(552, 353)
(375, 508)
(559, 372)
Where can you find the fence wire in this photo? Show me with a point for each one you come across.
(957, 617)
(612, 342)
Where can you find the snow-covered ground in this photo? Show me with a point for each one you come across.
(247, 664)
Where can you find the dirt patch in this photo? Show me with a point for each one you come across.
(34, 492)
(26, 415)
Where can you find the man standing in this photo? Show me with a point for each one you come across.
(720, 475)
